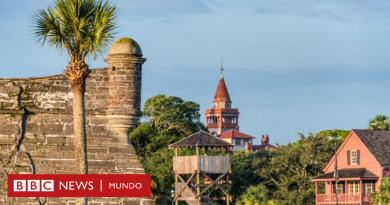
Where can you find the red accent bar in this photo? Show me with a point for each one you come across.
(79, 185)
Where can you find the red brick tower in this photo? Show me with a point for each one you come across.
(222, 117)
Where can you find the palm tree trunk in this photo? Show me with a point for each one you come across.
(80, 138)
(77, 72)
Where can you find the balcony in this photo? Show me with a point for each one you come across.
(224, 125)
(345, 199)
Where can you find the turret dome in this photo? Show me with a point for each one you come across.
(125, 46)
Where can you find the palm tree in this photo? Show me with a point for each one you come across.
(380, 122)
(81, 28)
(255, 195)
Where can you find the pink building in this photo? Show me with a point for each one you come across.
(362, 160)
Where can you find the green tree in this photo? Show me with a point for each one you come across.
(172, 113)
(292, 166)
(255, 195)
(166, 120)
(244, 167)
(379, 122)
(80, 28)
(336, 135)
(382, 197)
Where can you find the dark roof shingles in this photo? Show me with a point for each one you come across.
(378, 143)
(207, 140)
(349, 173)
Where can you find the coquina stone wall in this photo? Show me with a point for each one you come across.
(36, 124)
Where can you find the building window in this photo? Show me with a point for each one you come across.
(353, 157)
(354, 187)
(339, 188)
(227, 105)
(369, 188)
(246, 140)
(238, 141)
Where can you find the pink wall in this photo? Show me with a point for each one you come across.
(367, 160)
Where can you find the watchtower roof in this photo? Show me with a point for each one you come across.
(201, 139)
(125, 46)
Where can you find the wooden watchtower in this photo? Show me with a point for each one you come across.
(195, 175)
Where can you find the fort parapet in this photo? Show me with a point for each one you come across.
(36, 124)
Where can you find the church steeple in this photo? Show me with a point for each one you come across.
(222, 98)
(222, 117)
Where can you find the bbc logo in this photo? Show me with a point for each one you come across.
(33, 185)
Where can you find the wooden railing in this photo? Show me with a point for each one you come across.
(367, 198)
(324, 199)
(206, 164)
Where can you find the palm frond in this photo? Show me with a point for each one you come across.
(81, 27)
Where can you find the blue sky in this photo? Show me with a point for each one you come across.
(290, 65)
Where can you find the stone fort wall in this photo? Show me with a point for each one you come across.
(36, 124)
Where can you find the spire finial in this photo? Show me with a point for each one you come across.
(221, 69)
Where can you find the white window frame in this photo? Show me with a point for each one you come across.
(354, 187)
(352, 157)
(369, 188)
(339, 188)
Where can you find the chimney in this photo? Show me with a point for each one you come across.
(248, 147)
(264, 140)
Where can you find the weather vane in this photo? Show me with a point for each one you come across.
(221, 69)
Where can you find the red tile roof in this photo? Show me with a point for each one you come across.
(235, 134)
(222, 93)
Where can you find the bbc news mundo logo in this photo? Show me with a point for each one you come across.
(33, 185)
(79, 185)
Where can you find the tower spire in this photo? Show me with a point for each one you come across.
(221, 69)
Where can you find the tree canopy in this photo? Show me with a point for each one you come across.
(165, 120)
(289, 170)
(78, 27)
(379, 122)
(336, 135)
